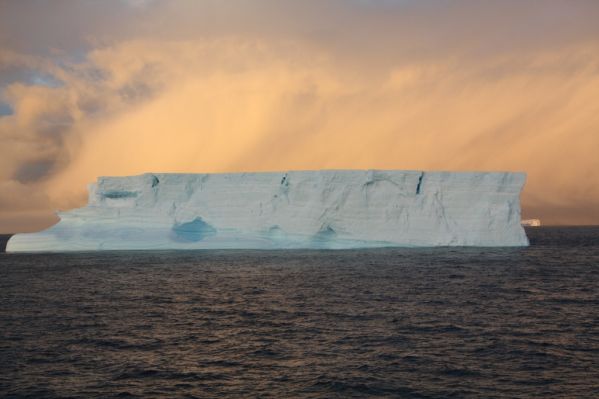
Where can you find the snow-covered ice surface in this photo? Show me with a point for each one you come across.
(296, 209)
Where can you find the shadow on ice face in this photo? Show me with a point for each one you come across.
(193, 231)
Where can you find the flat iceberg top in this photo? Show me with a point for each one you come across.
(294, 209)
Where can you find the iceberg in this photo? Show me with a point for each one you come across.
(531, 223)
(327, 209)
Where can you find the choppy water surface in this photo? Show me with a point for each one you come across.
(412, 323)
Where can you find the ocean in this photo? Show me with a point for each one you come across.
(398, 323)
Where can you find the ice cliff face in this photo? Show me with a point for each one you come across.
(308, 209)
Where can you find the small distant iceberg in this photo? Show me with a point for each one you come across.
(531, 223)
(325, 209)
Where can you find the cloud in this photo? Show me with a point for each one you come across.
(409, 85)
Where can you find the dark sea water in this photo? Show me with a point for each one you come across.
(405, 323)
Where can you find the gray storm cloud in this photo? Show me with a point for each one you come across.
(114, 88)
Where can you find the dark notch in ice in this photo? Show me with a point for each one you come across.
(326, 235)
(193, 231)
(155, 181)
(275, 233)
(119, 194)
(419, 186)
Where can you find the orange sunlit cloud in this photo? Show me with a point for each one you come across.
(255, 95)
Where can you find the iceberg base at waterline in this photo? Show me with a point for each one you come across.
(296, 209)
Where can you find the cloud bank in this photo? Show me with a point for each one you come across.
(94, 88)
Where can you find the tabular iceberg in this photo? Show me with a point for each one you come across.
(296, 209)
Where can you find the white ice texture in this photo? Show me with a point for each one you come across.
(296, 209)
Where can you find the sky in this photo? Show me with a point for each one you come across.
(102, 88)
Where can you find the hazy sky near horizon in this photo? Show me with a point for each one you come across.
(90, 88)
